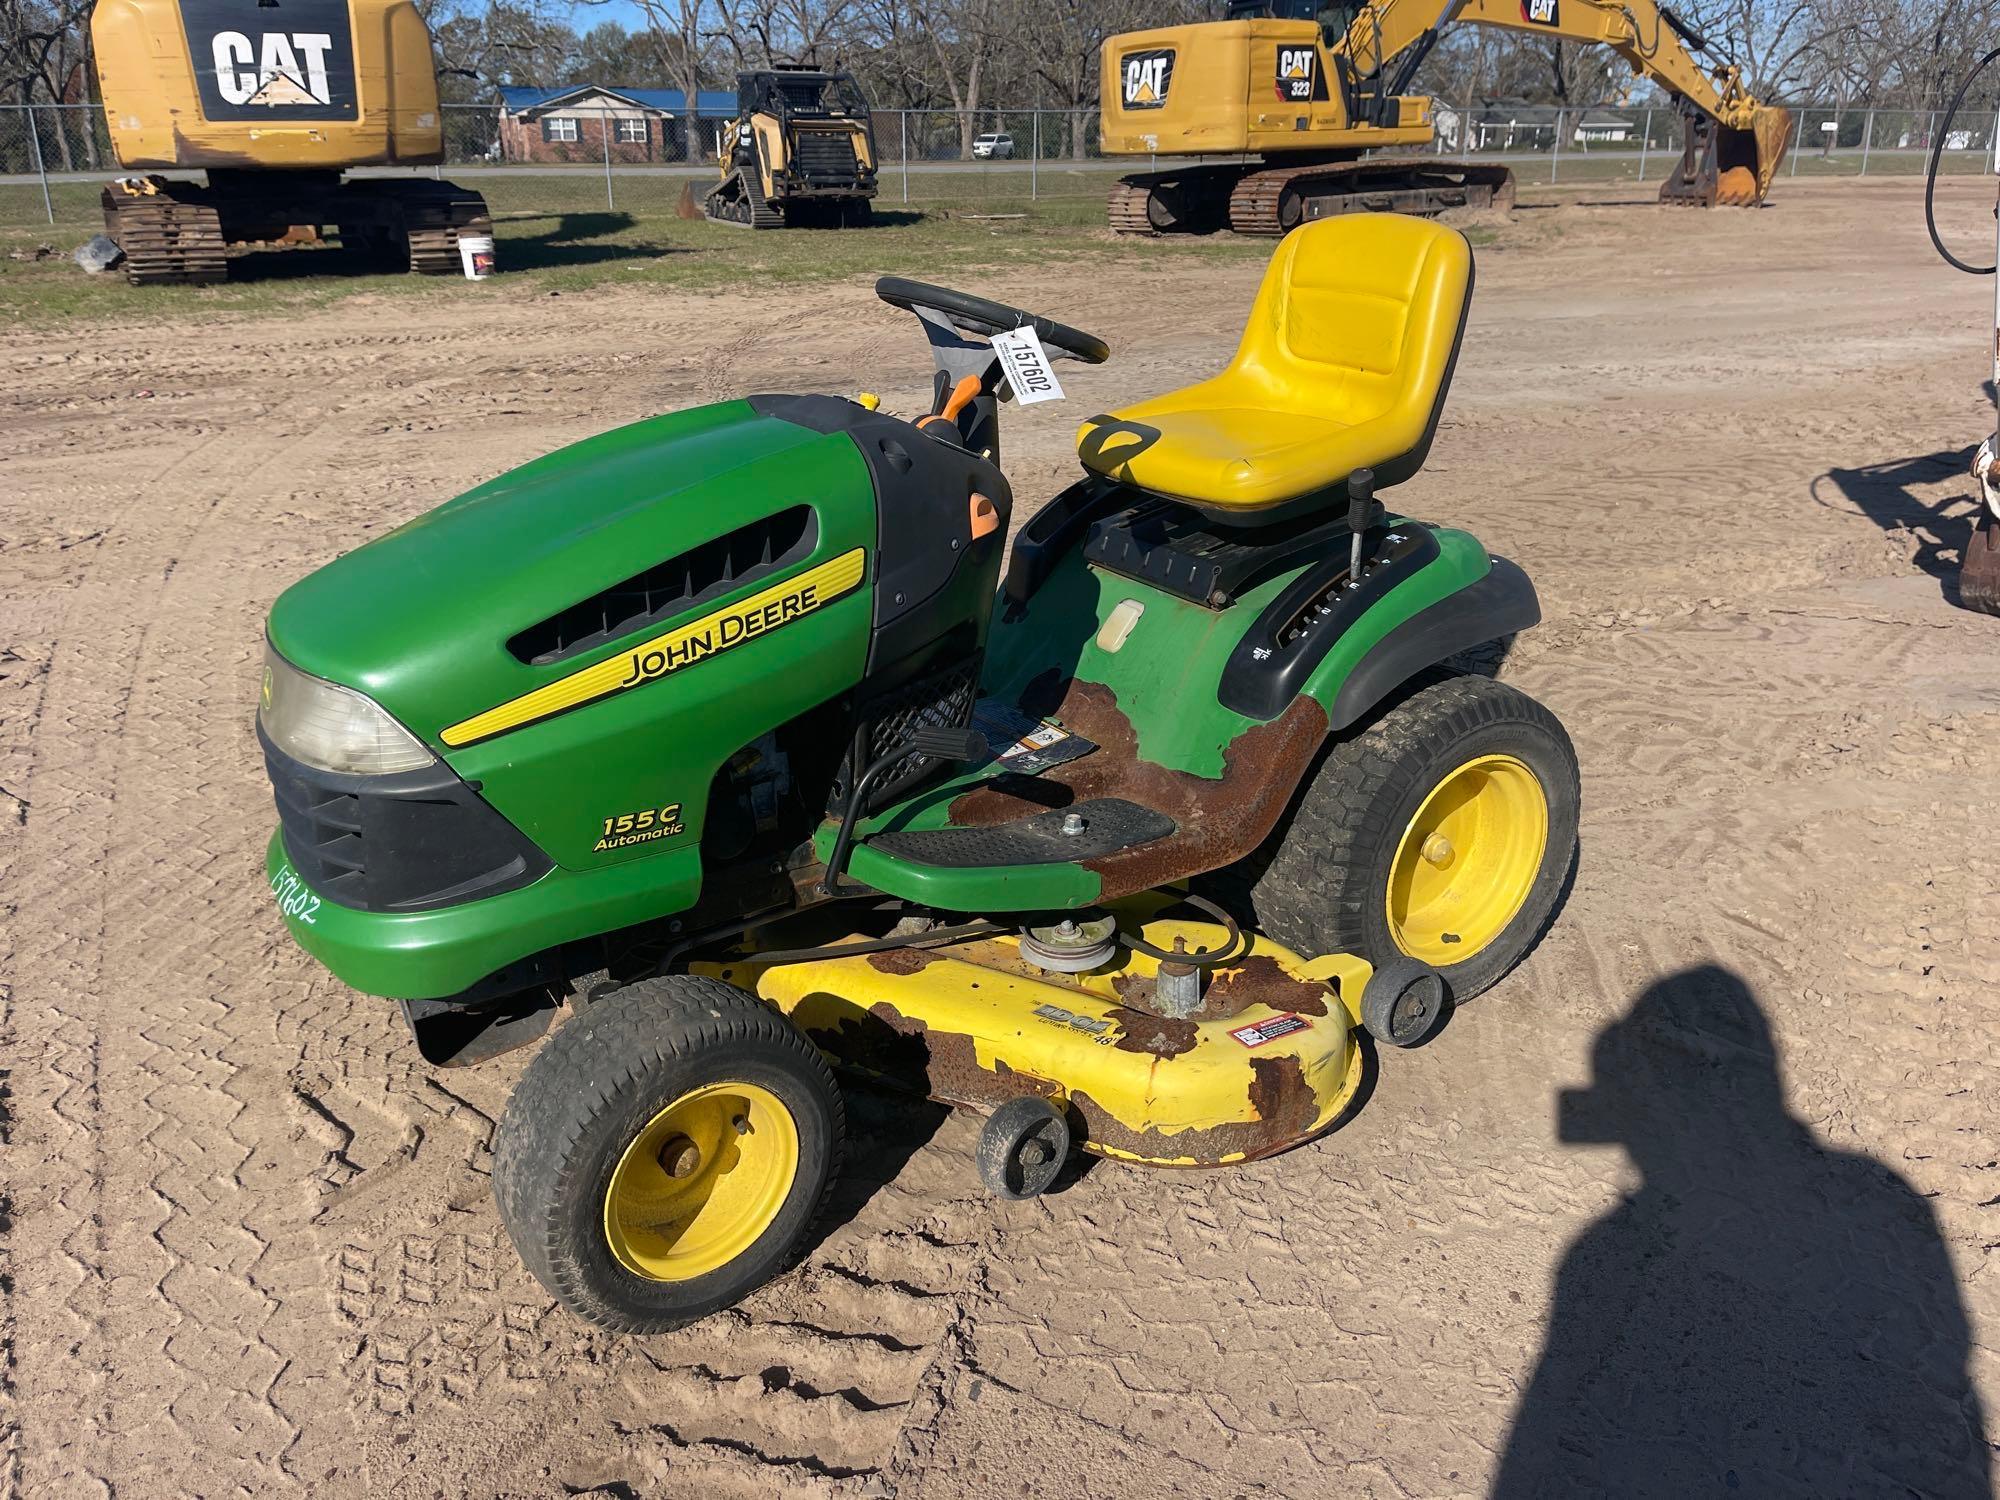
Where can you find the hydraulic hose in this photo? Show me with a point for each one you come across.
(1931, 170)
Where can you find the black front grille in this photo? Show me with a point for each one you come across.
(827, 155)
(405, 842)
(936, 700)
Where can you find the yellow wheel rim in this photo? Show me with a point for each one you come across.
(1468, 860)
(702, 1182)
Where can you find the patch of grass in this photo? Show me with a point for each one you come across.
(75, 203)
(542, 252)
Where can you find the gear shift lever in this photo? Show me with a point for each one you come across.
(1364, 513)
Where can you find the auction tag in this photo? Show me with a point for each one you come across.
(1027, 365)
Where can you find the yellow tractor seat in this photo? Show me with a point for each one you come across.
(1344, 365)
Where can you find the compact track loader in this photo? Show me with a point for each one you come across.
(801, 152)
(717, 749)
(274, 104)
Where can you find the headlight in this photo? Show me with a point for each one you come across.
(332, 727)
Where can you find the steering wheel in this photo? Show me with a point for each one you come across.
(978, 315)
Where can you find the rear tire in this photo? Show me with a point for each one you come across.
(666, 1153)
(1368, 861)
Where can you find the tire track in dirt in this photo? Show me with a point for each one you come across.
(109, 992)
(63, 742)
(21, 681)
(190, 1127)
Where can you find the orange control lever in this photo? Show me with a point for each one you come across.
(961, 397)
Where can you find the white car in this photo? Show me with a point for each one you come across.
(997, 146)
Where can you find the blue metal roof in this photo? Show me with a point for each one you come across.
(710, 104)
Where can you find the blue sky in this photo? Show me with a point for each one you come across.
(583, 17)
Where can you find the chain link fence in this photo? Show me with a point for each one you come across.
(1613, 143)
(54, 159)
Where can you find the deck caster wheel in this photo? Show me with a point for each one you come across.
(1023, 1147)
(1403, 1003)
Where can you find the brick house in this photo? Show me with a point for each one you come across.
(570, 124)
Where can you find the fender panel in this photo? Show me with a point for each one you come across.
(1500, 603)
(1283, 650)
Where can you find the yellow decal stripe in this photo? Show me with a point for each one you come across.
(683, 646)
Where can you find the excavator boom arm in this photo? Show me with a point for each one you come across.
(1650, 37)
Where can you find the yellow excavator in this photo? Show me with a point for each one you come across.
(1303, 87)
(273, 103)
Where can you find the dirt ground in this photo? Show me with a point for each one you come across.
(248, 1243)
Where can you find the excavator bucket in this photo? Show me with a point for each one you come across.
(1726, 163)
(1765, 142)
(1979, 567)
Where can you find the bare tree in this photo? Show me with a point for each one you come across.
(1059, 42)
(510, 42)
(763, 33)
(961, 35)
(676, 28)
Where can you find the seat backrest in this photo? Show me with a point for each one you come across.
(1359, 317)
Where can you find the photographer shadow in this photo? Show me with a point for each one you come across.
(1763, 1315)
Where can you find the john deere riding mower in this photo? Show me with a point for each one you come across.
(716, 749)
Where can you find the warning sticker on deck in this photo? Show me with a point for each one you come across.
(1025, 746)
(1260, 1032)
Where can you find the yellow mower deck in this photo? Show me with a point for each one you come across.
(1269, 1061)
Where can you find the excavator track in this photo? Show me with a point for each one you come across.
(1279, 199)
(1269, 200)
(435, 214)
(179, 232)
(1191, 200)
(1127, 207)
(166, 238)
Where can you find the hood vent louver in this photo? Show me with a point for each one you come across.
(667, 589)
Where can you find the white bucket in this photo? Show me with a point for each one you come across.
(475, 253)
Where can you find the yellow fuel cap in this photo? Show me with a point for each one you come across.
(869, 399)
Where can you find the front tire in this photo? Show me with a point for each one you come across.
(666, 1153)
(1444, 831)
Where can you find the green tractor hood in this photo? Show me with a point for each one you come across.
(421, 619)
